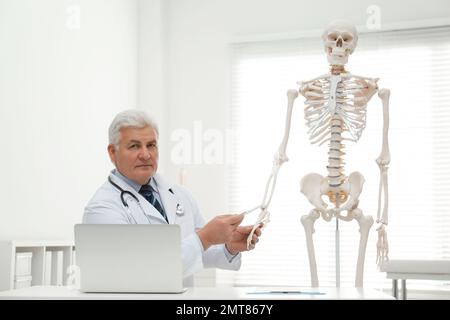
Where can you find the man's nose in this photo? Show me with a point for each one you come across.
(144, 154)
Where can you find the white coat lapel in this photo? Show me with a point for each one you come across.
(169, 200)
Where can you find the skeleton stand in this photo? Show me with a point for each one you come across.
(338, 261)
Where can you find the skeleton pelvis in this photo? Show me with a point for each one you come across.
(336, 195)
(315, 187)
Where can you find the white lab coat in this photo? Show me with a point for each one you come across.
(106, 207)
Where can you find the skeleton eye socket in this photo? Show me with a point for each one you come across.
(347, 37)
(332, 37)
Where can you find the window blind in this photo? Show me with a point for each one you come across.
(415, 66)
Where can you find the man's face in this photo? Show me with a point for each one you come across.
(137, 155)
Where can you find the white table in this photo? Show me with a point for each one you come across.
(414, 269)
(201, 293)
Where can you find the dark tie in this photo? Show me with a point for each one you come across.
(147, 192)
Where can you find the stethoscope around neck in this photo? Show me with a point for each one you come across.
(179, 211)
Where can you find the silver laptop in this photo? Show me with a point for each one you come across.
(129, 258)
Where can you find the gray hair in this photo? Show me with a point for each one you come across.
(129, 118)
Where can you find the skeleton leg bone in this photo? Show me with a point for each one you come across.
(308, 224)
(365, 222)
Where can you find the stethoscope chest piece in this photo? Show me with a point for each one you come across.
(180, 210)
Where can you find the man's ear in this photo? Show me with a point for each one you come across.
(112, 152)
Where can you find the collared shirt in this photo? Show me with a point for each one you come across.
(136, 186)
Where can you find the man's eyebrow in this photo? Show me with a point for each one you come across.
(133, 141)
(137, 141)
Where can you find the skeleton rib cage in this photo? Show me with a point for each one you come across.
(335, 117)
(350, 106)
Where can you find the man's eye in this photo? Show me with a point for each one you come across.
(133, 146)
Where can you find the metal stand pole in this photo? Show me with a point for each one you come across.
(338, 266)
(395, 288)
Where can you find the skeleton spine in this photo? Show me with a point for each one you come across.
(335, 165)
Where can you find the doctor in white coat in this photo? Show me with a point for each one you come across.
(133, 148)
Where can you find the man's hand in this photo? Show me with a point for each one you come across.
(238, 242)
(219, 230)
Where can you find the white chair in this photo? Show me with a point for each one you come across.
(414, 269)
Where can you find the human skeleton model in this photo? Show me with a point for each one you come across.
(335, 112)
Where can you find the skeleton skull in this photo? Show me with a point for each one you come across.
(340, 39)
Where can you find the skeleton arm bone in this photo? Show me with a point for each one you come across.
(384, 158)
(383, 161)
(279, 158)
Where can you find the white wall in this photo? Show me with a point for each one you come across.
(151, 94)
(60, 87)
(199, 34)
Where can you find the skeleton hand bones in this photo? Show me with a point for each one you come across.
(382, 245)
(264, 216)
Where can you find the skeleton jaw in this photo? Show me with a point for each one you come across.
(337, 56)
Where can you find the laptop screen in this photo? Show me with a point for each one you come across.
(129, 258)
